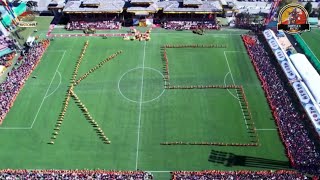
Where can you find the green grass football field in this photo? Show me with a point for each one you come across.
(126, 97)
(312, 38)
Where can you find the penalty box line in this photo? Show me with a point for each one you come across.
(167, 79)
(43, 99)
(226, 59)
(165, 60)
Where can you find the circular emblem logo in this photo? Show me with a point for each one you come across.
(293, 18)
(279, 55)
(267, 34)
(273, 43)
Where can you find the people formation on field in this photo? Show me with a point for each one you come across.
(239, 175)
(16, 78)
(301, 149)
(74, 174)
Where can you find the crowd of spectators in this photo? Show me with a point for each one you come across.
(6, 44)
(80, 25)
(16, 78)
(239, 175)
(74, 174)
(301, 149)
(5, 60)
(187, 25)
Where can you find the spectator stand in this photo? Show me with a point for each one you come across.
(240, 175)
(142, 12)
(300, 147)
(98, 14)
(301, 75)
(17, 77)
(191, 14)
(73, 174)
(7, 51)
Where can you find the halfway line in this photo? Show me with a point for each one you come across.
(140, 104)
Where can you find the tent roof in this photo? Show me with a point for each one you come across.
(309, 75)
(31, 39)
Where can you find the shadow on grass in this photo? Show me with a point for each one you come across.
(230, 159)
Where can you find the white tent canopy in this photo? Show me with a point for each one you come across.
(309, 75)
(30, 41)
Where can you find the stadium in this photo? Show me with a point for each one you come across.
(148, 89)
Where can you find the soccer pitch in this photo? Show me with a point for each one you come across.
(312, 38)
(126, 96)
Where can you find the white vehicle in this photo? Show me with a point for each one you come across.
(31, 41)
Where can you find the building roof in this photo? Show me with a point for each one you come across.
(140, 9)
(173, 6)
(143, 1)
(252, 7)
(166, 4)
(223, 2)
(91, 2)
(42, 5)
(104, 6)
(205, 7)
(192, 2)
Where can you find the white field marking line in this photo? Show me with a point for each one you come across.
(20, 128)
(266, 129)
(307, 45)
(56, 87)
(224, 52)
(224, 81)
(55, 73)
(124, 74)
(140, 106)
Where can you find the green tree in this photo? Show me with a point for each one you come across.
(308, 7)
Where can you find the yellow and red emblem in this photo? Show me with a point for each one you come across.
(293, 18)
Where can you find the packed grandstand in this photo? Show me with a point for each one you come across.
(289, 80)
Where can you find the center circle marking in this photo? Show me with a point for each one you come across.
(133, 69)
